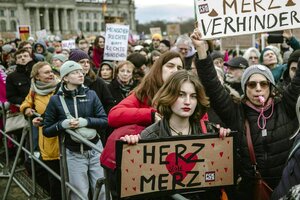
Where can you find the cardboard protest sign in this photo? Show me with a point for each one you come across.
(155, 30)
(70, 44)
(221, 18)
(116, 42)
(175, 164)
(23, 31)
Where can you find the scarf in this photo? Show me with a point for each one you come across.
(262, 119)
(42, 88)
(125, 89)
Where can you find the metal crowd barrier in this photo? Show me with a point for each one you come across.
(65, 185)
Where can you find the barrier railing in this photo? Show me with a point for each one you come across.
(63, 178)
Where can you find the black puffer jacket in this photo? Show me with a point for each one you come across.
(88, 106)
(271, 151)
(102, 91)
(18, 83)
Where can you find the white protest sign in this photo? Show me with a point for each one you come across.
(116, 42)
(70, 44)
(219, 18)
(42, 34)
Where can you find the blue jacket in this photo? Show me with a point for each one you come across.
(89, 107)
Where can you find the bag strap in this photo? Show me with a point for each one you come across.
(65, 107)
(250, 144)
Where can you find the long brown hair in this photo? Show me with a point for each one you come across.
(151, 83)
(169, 92)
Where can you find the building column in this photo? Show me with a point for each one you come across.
(56, 22)
(65, 26)
(28, 16)
(37, 19)
(46, 20)
(75, 17)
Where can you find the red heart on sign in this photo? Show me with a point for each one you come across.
(182, 166)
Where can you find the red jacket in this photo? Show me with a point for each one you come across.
(131, 111)
(108, 156)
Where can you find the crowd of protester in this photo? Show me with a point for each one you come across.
(142, 97)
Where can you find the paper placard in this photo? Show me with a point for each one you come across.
(116, 42)
(42, 34)
(155, 30)
(219, 18)
(70, 44)
(171, 165)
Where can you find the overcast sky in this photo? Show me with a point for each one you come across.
(170, 10)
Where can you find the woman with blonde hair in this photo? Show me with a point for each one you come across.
(123, 84)
(43, 85)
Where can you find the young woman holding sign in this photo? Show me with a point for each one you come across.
(182, 102)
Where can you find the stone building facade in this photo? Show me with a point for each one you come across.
(61, 17)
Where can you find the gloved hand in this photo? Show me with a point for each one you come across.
(66, 123)
(82, 122)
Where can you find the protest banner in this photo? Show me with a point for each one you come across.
(23, 32)
(220, 18)
(69, 44)
(155, 30)
(116, 42)
(170, 165)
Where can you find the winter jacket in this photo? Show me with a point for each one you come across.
(102, 91)
(131, 111)
(49, 147)
(161, 129)
(88, 106)
(48, 56)
(18, 83)
(117, 93)
(272, 150)
(291, 172)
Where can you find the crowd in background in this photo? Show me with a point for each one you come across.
(122, 96)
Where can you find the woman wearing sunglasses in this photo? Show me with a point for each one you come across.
(272, 118)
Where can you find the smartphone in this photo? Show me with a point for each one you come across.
(275, 37)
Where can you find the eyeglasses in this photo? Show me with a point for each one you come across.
(253, 84)
(254, 57)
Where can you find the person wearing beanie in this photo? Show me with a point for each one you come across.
(156, 38)
(271, 118)
(164, 46)
(106, 71)
(218, 59)
(85, 110)
(92, 80)
(57, 61)
(235, 70)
